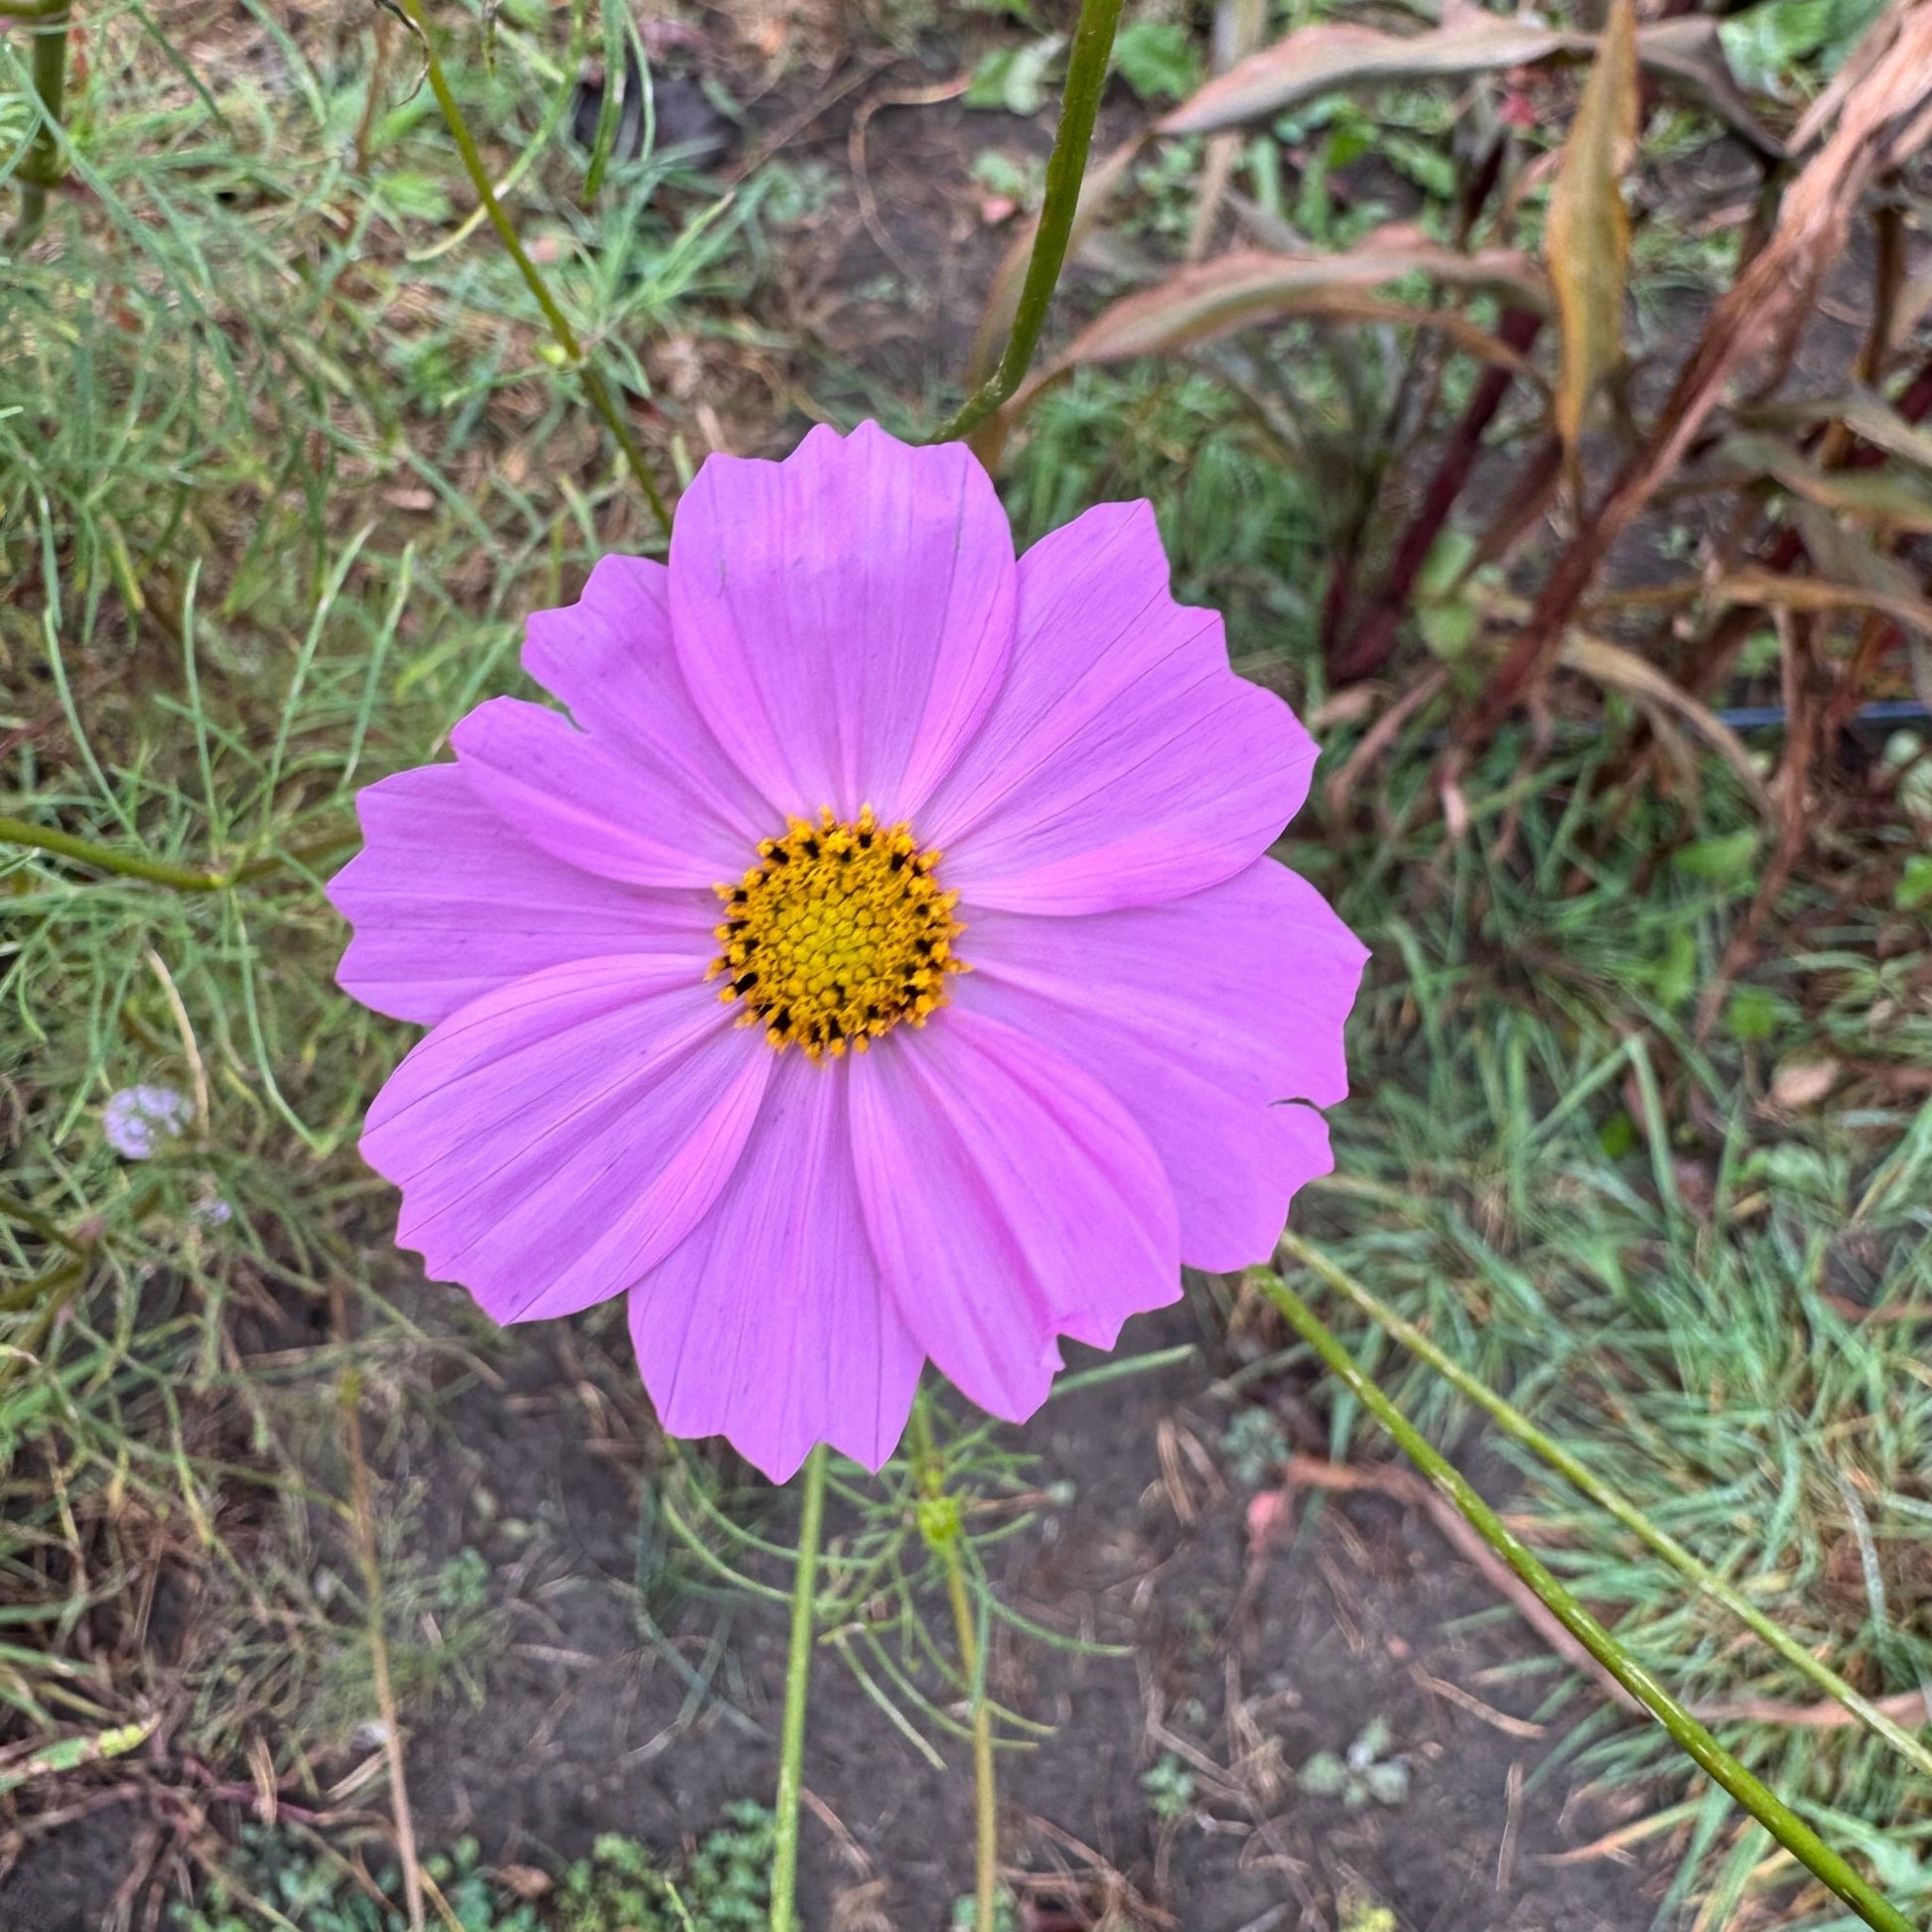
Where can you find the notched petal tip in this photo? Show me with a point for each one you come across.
(843, 617)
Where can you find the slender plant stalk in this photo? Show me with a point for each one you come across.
(1756, 1797)
(363, 1517)
(595, 390)
(157, 871)
(1514, 1423)
(103, 858)
(798, 1675)
(1066, 166)
(42, 167)
(940, 1526)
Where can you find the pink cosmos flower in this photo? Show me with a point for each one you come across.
(847, 776)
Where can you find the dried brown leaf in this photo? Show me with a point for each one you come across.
(1801, 1083)
(1255, 285)
(1587, 237)
(1338, 54)
(1334, 55)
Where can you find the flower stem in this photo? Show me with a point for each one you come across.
(798, 1672)
(595, 390)
(1692, 1738)
(157, 871)
(941, 1527)
(103, 858)
(42, 167)
(1066, 166)
(1514, 1423)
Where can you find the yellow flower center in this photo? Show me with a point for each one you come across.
(836, 934)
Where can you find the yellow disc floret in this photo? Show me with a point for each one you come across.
(838, 933)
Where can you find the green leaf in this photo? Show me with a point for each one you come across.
(1674, 976)
(1376, 1738)
(1726, 859)
(1754, 1013)
(1322, 1776)
(1768, 45)
(1448, 557)
(418, 196)
(1013, 79)
(1914, 884)
(1447, 626)
(1158, 59)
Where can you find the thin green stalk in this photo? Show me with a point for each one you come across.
(37, 1223)
(128, 865)
(1514, 1423)
(798, 1674)
(941, 1526)
(1066, 166)
(1757, 1798)
(595, 388)
(157, 871)
(42, 167)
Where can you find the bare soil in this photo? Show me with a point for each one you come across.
(1246, 1661)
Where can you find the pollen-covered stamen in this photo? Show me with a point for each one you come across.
(838, 933)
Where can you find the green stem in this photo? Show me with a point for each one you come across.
(37, 1223)
(128, 865)
(943, 1540)
(798, 1672)
(594, 388)
(1752, 1793)
(157, 871)
(42, 167)
(1066, 166)
(1514, 1423)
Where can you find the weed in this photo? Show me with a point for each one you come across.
(618, 1887)
(1169, 1787)
(1253, 1446)
(1365, 1773)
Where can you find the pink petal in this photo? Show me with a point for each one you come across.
(1123, 763)
(592, 801)
(609, 657)
(1009, 1200)
(559, 1136)
(1199, 1017)
(448, 902)
(769, 1323)
(843, 618)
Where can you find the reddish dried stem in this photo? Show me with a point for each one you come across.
(1369, 645)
